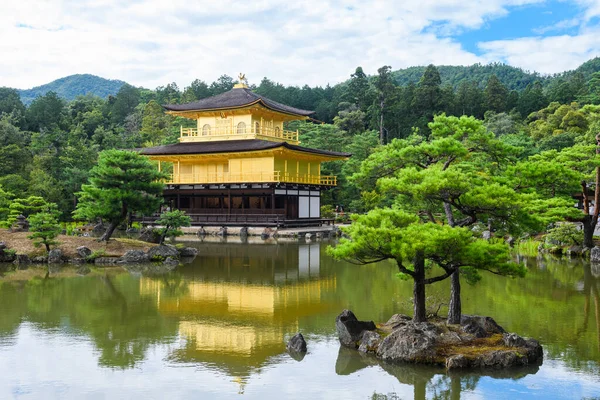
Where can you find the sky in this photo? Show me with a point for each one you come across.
(154, 42)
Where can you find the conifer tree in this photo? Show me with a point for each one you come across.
(122, 182)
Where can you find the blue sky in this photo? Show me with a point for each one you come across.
(153, 42)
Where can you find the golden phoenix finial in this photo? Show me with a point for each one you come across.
(242, 78)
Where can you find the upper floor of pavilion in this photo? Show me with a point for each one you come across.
(236, 115)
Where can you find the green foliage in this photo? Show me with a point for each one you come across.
(121, 182)
(170, 222)
(528, 247)
(96, 254)
(565, 234)
(45, 228)
(327, 211)
(28, 206)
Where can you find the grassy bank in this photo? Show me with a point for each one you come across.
(19, 242)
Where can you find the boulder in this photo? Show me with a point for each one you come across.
(188, 252)
(413, 342)
(55, 256)
(513, 340)
(369, 342)
(40, 260)
(479, 326)
(22, 261)
(595, 254)
(3, 246)
(266, 233)
(7, 256)
(531, 348)
(149, 235)
(222, 232)
(163, 251)
(83, 252)
(487, 235)
(575, 251)
(244, 231)
(133, 257)
(297, 344)
(350, 329)
(201, 232)
(78, 261)
(457, 361)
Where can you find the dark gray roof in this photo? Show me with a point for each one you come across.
(235, 98)
(231, 146)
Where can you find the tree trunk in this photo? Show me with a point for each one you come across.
(111, 228)
(419, 288)
(47, 247)
(455, 308)
(588, 231)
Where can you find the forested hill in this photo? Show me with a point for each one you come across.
(72, 86)
(512, 77)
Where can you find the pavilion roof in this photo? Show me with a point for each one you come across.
(236, 98)
(229, 146)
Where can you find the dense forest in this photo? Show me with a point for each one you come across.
(49, 146)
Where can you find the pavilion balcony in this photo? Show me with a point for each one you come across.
(252, 177)
(235, 133)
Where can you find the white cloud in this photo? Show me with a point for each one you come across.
(545, 54)
(154, 42)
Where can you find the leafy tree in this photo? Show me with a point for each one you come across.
(171, 221)
(391, 234)
(122, 182)
(155, 124)
(11, 105)
(124, 103)
(28, 206)
(359, 89)
(169, 94)
(385, 89)
(46, 113)
(4, 203)
(428, 97)
(45, 228)
(197, 90)
(221, 85)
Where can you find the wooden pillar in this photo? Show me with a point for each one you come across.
(178, 201)
(159, 168)
(229, 201)
(273, 201)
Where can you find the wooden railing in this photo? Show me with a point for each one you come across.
(249, 132)
(253, 177)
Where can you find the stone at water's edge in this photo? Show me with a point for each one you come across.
(22, 261)
(479, 342)
(595, 255)
(163, 251)
(171, 262)
(369, 343)
(412, 342)
(350, 329)
(188, 252)
(133, 256)
(55, 256)
(297, 344)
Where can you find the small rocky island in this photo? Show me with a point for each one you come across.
(478, 342)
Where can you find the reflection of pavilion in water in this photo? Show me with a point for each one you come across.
(236, 303)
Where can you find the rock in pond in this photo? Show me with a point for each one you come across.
(163, 251)
(188, 252)
(133, 257)
(350, 330)
(22, 261)
(55, 256)
(149, 235)
(369, 342)
(171, 262)
(106, 260)
(412, 342)
(297, 344)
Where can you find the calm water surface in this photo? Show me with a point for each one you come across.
(216, 328)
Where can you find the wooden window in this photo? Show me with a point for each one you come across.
(241, 127)
(257, 127)
(277, 131)
(225, 168)
(206, 130)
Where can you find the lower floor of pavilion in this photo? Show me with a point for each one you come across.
(248, 204)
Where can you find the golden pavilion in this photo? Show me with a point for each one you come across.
(240, 166)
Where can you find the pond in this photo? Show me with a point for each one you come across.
(217, 328)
